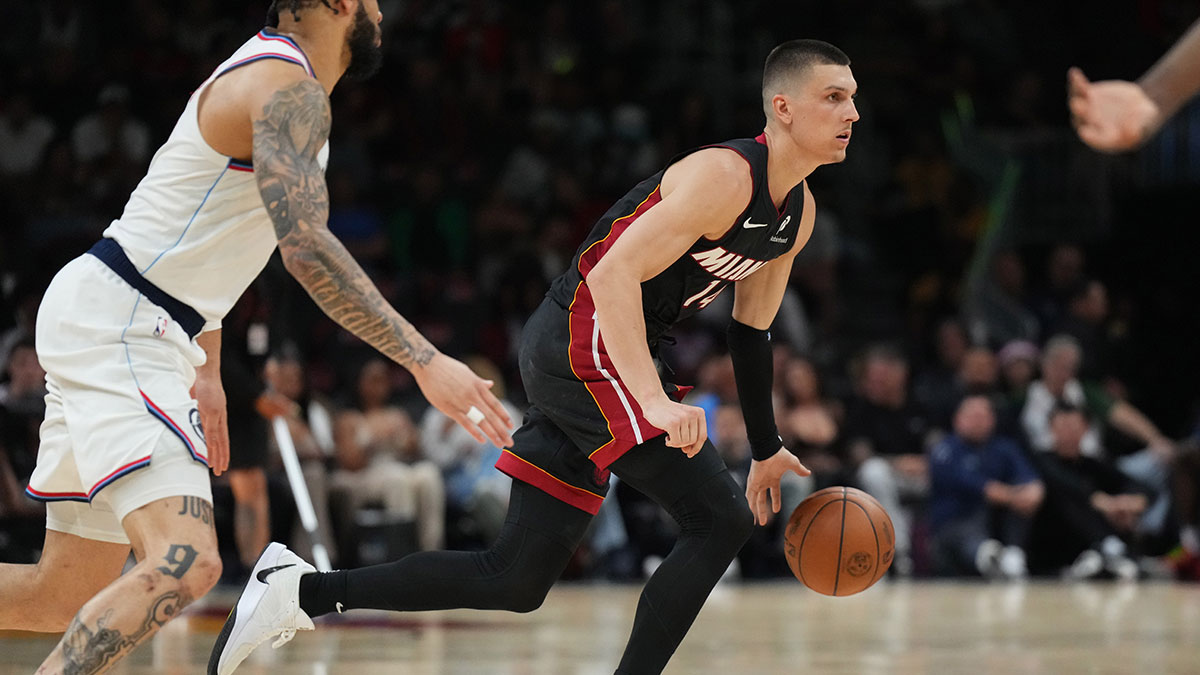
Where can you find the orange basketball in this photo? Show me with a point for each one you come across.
(839, 541)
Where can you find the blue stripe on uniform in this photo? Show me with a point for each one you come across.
(189, 223)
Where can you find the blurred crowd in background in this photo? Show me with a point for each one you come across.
(992, 329)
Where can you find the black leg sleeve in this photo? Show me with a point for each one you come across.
(714, 522)
(539, 536)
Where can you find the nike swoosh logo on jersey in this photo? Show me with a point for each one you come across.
(750, 226)
(263, 574)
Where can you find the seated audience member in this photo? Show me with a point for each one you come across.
(809, 422)
(1150, 467)
(762, 555)
(982, 497)
(1090, 510)
(1086, 314)
(936, 385)
(22, 407)
(1018, 368)
(310, 424)
(380, 461)
(475, 489)
(886, 434)
(1185, 491)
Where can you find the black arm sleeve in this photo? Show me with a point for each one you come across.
(750, 349)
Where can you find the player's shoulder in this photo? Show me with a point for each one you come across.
(715, 168)
(268, 80)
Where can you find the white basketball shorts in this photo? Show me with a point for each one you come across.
(121, 427)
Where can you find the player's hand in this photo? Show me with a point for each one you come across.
(685, 424)
(1113, 115)
(454, 389)
(764, 477)
(210, 399)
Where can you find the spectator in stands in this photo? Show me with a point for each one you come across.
(762, 555)
(936, 387)
(1150, 466)
(983, 494)
(1064, 272)
(809, 422)
(21, 411)
(1086, 313)
(111, 145)
(475, 490)
(24, 137)
(1018, 367)
(1185, 491)
(379, 460)
(886, 435)
(310, 423)
(995, 306)
(1090, 510)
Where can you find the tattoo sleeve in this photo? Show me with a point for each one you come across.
(288, 134)
(92, 650)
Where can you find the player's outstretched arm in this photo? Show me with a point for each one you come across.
(1116, 115)
(755, 304)
(289, 130)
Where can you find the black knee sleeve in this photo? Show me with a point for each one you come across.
(717, 511)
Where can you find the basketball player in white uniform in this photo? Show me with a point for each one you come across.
(129, 335)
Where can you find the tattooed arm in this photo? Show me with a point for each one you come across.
(288, 134)
(289, 131)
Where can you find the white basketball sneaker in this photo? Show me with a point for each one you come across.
(268, 606)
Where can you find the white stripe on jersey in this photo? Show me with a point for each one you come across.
(195, 226)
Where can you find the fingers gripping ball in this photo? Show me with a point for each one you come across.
(839, 541)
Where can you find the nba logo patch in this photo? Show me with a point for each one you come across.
(160, 327)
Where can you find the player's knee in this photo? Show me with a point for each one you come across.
(204, 574)
(192, 570)
(527, 597)
(735, 522)
(522, 591)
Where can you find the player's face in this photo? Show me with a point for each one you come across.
(824, 112)
(365, 41)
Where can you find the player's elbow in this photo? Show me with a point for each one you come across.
(300, 257)
(607, 278)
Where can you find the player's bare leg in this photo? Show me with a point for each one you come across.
(251, 513)
(44, 597)
(177, 563)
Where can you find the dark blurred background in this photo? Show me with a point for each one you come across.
(464, 175)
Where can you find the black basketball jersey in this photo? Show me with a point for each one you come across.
(760, 234)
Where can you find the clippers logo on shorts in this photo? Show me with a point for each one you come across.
(160, 326)
(194, 418)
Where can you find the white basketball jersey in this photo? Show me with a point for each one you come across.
(196, 226)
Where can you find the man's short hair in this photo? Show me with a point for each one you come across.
(1060, 343)
(794, 57)
(292, 6)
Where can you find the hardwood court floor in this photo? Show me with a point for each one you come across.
(765, 628)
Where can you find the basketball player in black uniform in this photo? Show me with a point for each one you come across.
(735, 213)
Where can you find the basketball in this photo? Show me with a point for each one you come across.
(839, 541)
